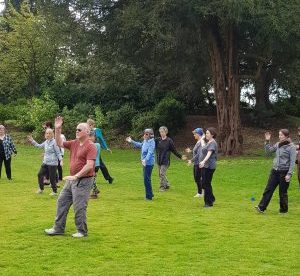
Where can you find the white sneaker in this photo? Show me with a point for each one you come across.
(39, 191)
(52, 232)
(53, 194)
(78, 235)
(198, 195)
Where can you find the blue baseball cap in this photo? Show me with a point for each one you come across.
(198, 131)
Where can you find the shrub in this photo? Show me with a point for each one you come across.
(80, 113)
(171, 113)
(142, 121)
(121, 119)
(36, 111)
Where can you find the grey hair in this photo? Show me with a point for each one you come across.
(164, 128)
(150, 131)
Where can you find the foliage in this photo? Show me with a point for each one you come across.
(31, 116)
(72, 117)
(168, 112)
(171, 113)
(29, 47)
(120, 119)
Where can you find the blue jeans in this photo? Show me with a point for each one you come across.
(147, 170)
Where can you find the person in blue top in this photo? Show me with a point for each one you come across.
(100, 139)
(147, 158)
(52, 155)
(95, 190)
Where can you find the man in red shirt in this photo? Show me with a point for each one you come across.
(79, 183)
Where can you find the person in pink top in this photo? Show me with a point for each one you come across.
(78, 184)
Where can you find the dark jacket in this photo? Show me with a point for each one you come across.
(164, 149)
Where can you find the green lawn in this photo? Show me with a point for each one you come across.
(172, 235)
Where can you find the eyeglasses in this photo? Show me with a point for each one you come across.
(78, 129)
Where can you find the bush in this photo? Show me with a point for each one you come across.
(72, 117)
(121, 119)
(142, 121)
(11, 111)
(36, 111)
(170, 113)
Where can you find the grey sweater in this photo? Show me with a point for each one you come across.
(52, 152)
(197, 153)
(285, 156)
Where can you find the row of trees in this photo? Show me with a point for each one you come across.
(131, 51)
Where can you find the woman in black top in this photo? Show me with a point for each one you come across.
(7, 148)
(164, 146)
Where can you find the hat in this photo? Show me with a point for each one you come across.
(198, 131)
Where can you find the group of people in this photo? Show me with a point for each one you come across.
(204, 157)
(51, 169)
(85, 161)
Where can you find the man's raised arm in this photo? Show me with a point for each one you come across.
(58, 124)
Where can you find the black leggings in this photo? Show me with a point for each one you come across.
(198, 178)
(104, 170)
(52, 175)
(7, 164)
(209, 197)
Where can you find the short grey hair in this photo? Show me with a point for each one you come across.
(164, 128)
(150, 132)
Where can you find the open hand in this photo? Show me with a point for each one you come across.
(128, 139)
(29, 138)
(188, 150)
(268, 136)
(58, 122)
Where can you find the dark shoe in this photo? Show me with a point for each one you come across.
(96, 192)
(93, 196)
(167, 187)
(259, 210)
(111, 180)
(207, 206)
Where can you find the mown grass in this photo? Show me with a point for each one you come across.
(173, 235)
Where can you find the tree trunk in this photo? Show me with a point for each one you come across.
(225, 71)
(262, 86)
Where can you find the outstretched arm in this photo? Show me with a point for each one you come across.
(173, 150)
(58, 125)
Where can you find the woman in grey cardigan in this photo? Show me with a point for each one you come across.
(51, 157)
(197, 157)
(281, 173)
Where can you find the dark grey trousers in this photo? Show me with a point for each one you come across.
(76, 193)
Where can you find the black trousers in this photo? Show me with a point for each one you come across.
(60, 171)
(7, 164)
(207, 175)
(44, 170)
(276, 178)
(104, 170)
(198, 178)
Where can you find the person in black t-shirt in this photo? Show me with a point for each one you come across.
(164, 146)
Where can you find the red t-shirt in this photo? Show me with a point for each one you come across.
(79, 154)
